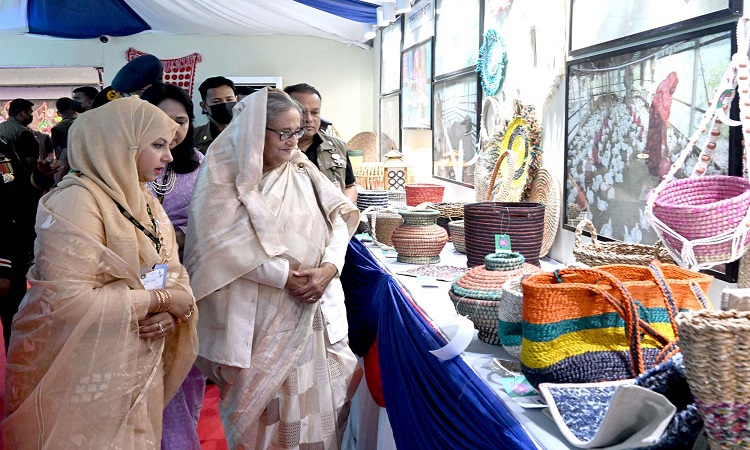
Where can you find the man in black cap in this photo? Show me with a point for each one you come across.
(135, 77)
(217, 100)
(67, 109)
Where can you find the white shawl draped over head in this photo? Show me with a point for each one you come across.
(232, 230)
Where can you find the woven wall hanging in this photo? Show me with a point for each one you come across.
(492, 62)
(178, 71)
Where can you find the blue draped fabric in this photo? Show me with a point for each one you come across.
(434, 404)
(81, 19)
(363, 281)
(349, 9)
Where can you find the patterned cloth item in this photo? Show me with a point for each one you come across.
(583, 409)
(178, 71)
(442, 273)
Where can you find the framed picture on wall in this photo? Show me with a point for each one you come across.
(390, 58)
(455, 129)
(598, 24)
(416, 87)
(629, 114)
(390, 131)
(457, 36)
(419, 23)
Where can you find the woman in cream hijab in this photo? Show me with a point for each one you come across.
(95, 356)
(266, 241)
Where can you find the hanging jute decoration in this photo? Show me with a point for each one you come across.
(493, 59)
(178, 71)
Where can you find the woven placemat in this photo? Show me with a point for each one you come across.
(442, 273)
(545, 189)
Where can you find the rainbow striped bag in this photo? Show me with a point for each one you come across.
(604, 324)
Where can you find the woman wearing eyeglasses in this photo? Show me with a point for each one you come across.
(265, 246)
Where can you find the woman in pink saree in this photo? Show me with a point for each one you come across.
(266, 241)
(94, 355)
(658, 118)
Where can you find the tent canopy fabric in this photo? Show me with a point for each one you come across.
(341, 20)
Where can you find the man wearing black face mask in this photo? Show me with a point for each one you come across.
(68, 109)
(217, 101)
(21, 189)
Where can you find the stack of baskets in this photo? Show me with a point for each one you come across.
(477, 293)
(419, 193)
(374, 198)
(522, 221)
(397, 198)
(456, 232)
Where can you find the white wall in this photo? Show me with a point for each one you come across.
(342, 73)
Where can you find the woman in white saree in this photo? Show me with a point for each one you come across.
(94, 356)
(265, 246)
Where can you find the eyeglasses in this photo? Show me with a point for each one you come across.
(284, 135)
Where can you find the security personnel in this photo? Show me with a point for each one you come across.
(326, 152)
(135, 77)
(217, 100)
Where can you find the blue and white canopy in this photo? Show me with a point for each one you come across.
(342, 20)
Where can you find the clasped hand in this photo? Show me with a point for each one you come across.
(159, 324)
(309, 285)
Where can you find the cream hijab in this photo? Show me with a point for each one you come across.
(103, 148)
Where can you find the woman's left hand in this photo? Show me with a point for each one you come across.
(317, 282)
(157, 325)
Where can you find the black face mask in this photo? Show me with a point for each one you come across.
(77, 106)
(222, 113)
(27, 120)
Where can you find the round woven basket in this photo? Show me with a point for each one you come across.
(598, 253)
(367, 142)
(419, 240)
(546, 190)
(716, 350)
(456, 228)
(522, 221)
(382, 223)
(448, 212)
(398, 197)
(476, 295)
(702, 207)
(423, 192)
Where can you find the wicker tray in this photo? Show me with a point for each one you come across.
(546, 190)
(598, 253)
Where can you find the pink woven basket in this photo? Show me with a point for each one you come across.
(718, 203)
(419, 193)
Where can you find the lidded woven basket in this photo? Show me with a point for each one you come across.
(477, 293)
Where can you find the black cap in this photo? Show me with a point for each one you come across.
(138, 73)
(104, 96)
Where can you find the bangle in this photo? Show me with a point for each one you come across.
(167, 300)
(159, 300)
(164, 300)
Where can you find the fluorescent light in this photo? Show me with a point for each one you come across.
(370, 34)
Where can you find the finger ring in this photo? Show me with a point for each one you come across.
(190, 313)
(161, 329)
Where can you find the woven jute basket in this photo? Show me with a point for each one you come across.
(509, 327)
(457, 235)
(367, 141)
(478, 292)
(522, 221)
(716, 350)
(419, 240)
(546, 190)
(598, 253)
(418, 193)
(382, 223)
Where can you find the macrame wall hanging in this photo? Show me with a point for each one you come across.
(178, 71)
(493, 59)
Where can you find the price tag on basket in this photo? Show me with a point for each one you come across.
(502, 243)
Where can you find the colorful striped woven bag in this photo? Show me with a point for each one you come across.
(588, 325)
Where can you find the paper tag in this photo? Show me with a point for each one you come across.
(392, 253)
(427, 281)
(502, 243)
(155, 279)
(518, 386)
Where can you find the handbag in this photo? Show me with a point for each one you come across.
(610, 323)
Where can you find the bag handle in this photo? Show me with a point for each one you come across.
(506, 183)
(589, 226)
(625, 309)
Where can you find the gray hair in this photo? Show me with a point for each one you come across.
(280, 102)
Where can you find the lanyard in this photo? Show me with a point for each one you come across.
(150, 235)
